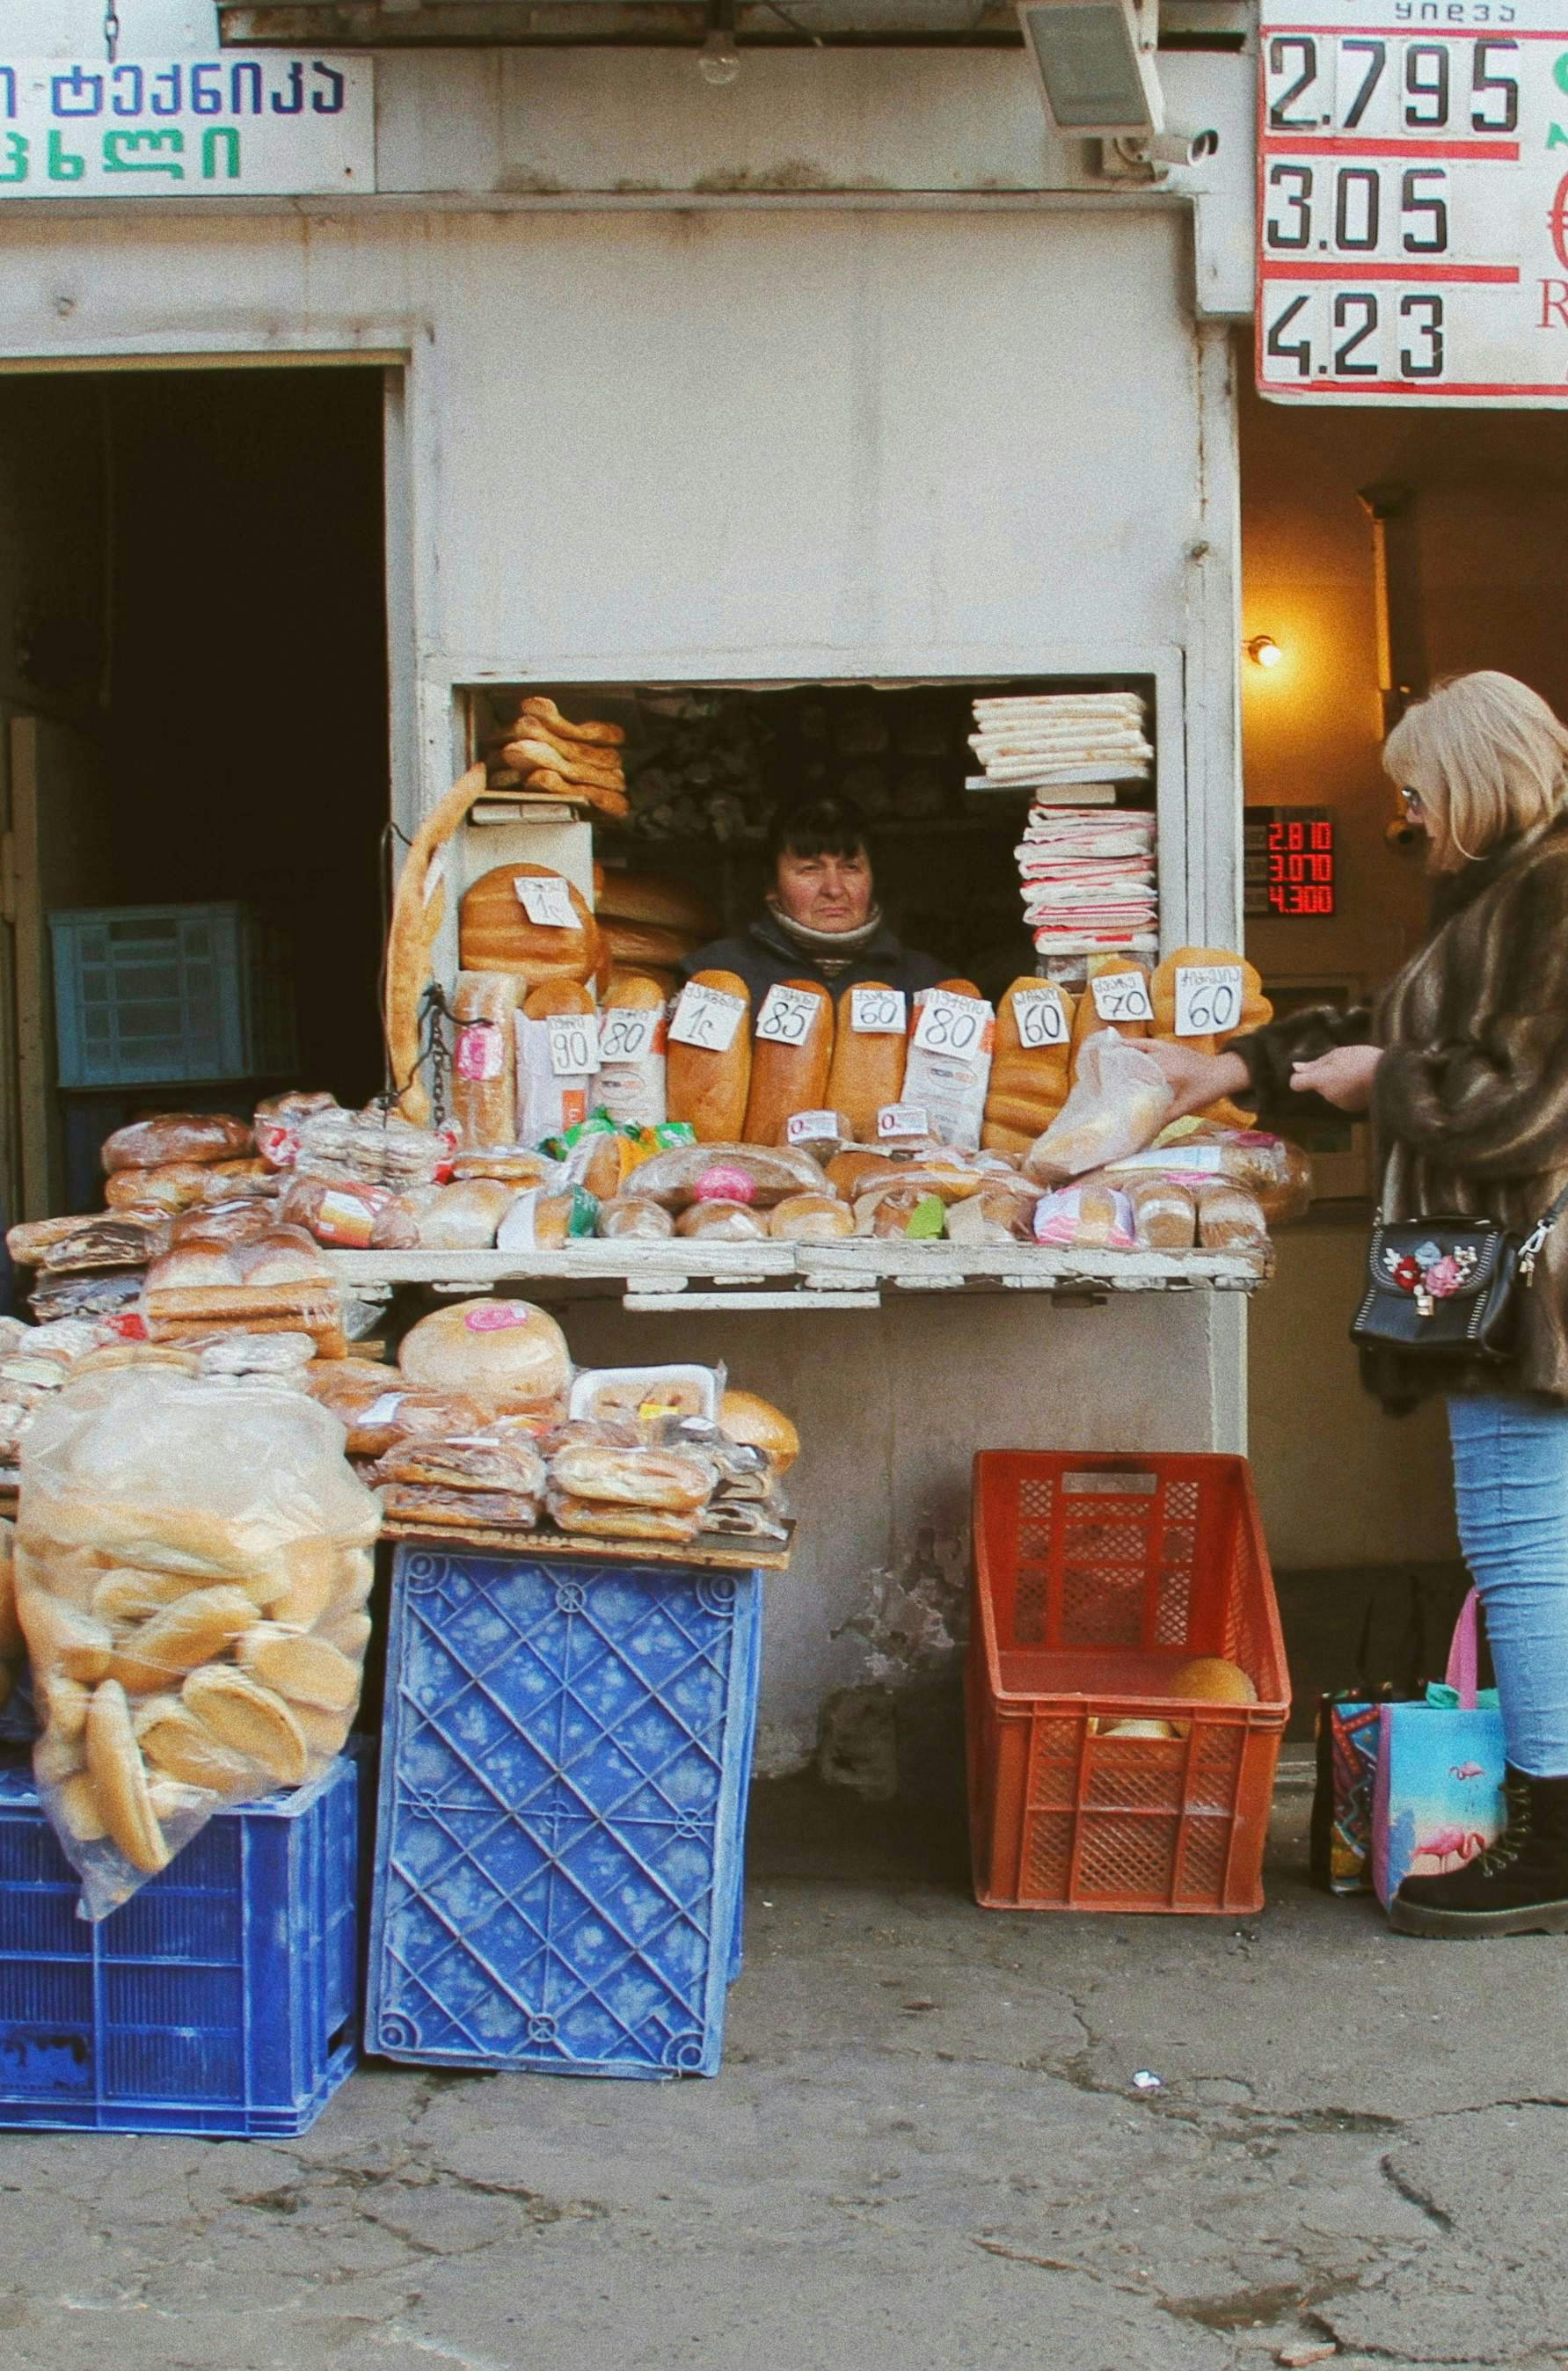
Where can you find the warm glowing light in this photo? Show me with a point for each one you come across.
(1263, 651)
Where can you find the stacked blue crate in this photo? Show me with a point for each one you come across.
(220, 1998)
(566, 1756)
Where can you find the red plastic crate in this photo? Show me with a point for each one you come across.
(1095, 1576)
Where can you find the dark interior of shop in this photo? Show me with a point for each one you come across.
(195, 565)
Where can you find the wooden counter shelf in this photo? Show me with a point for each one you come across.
(710, 1554)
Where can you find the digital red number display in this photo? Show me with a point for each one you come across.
(1300, 877)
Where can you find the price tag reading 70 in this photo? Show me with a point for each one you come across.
(1208, 998)
(707, 1017)
(787, 1014)
(954, 1026)
(1120, 996)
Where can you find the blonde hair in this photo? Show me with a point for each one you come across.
(1489, 759)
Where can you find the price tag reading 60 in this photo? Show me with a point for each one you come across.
(877, 1012)
(787, 1014)
(574, 1044)
(954, 1026)
(1208, 998)
(1040, 1018)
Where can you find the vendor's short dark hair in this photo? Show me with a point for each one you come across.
(818, 826)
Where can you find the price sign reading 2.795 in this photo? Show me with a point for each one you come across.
(1413, 210)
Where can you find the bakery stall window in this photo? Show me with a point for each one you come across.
(707, 767)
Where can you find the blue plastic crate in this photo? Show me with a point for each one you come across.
(566, 1756)
(169, 995)
(220, 1998)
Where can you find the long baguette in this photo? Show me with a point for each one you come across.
(789, 1078)
(610, 776)
(417, 913)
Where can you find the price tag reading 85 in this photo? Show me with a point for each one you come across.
(1040, 1018)
(786, 1017)
(954, 1026)
(877, 1012)
(707, 1017)
(1120, 996)
(574, 1044)
(626, 1034)
(1208, 998)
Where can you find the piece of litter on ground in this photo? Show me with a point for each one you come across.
(1313, 2351)
(918, 2007)
(1144, 2081)
(765, 1904)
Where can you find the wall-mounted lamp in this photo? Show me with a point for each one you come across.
(1263, 651)
(1094, 61)
(720, 61)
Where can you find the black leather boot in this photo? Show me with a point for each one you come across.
(1517, 1886)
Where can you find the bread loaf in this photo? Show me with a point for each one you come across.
(631, 1215)
(184, 1184)
(810, 1219)
(1088, 1017)
(633, 1477)
(600, 1521)
(709, 1090)
(787, 1075)
(1027, 1084)
(867, 1069)
(594, 735)
(177, 1136)
(418, 911)
(633, 1055)
(484, 1100)
(730, 1222)
(1164, 1215)
(505, 1351)
(119, 1780)
(651, 898)
(646, 942)
(496, 935)
(1256, 1012)
(1230, 1218)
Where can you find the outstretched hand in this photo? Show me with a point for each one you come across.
(1342, 1076)
(1195, 1080)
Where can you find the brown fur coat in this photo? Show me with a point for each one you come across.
(1470, 1108)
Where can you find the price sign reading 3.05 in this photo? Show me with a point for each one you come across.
(1410, 208)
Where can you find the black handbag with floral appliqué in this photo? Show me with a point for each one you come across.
(1443, 1292)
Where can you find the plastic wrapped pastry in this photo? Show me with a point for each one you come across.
(633, 1477)
(1119, 1101)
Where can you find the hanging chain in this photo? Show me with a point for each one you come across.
(111, 30)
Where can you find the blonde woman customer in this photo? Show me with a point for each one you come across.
(1463, 1063)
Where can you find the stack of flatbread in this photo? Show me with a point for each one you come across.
(543, 755)
(1089, 881)
(1072, 745)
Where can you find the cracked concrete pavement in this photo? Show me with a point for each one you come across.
(926, 2149)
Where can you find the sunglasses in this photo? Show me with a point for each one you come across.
(1413, 800)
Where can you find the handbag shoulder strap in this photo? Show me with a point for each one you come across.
(1529, 1250)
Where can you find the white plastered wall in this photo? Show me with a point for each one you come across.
(733, 441)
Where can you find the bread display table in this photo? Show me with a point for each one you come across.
(566, 1762)
(836, 1276)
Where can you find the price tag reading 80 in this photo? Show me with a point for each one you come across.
(1120, 996)
(547, 902)
(1040, 1018)
(707, 1017)
(877, 1012)
(787, 1014)
(1208, 998)
(626, 1036)
(574, 1044)
(954, 1026)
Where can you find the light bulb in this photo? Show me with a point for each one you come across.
(1263, 651)
(720, 61)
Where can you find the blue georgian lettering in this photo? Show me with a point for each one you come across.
(8, 84)
(76, 93)
(174, 78)
(294, 102)
(333, 103)
(245, 76)
(207, 90)
(128, 94)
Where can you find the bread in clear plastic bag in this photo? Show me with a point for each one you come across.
(187, 1553)
(1120, 1099)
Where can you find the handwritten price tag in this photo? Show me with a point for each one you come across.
(574, 1044)
(1040, 1018)
(877, 1011)
(903, 1119)
(812, 1128)
(545, 902)
(707, 1017)
(954, 1026)
(1208, 998)
(787, 1014)
(627, 1035)
(1122, 996)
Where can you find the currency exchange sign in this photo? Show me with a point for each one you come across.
(1413, 201)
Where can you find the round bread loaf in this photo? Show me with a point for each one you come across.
(504, 1350)
(495, 933)
(757, 1424)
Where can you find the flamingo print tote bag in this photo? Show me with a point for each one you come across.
(1439, 1800)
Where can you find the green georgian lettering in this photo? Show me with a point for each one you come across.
(62, 164)
(122, 153)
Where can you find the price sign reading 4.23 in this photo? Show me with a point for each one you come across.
(1413, 201)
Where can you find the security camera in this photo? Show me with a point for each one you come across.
(1164, 151)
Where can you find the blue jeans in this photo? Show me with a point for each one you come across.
(1511, 1486)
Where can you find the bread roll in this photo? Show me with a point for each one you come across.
(594, 735)
(787, 1078)
(629, 1215)
(62, 1638)
(250, 1719)
(177, 1744)
(810, 1219)
(185, 1185)
(119, 1780)
(313, 1579)
(1164, 1215)
(553, 998)
(76, 1804)
(731, 1222)
(196, 1628)
(501, 1351)
(867, 1069)
(632, 1086)
(855, 1171)
(484, 1101)
(304, 1670)
(647, 942)
(599, 1520)
(496, 935)
(756, 1423)
(668, 982)
(177, 1137)
(652, 899)
(1230, 1218)
(633, 1477)
(710, 1090)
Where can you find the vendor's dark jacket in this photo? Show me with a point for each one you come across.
(765, 958)
(1469, 1106)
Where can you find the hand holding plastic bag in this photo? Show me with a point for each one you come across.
(1119, 1102)
(192, 1568)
